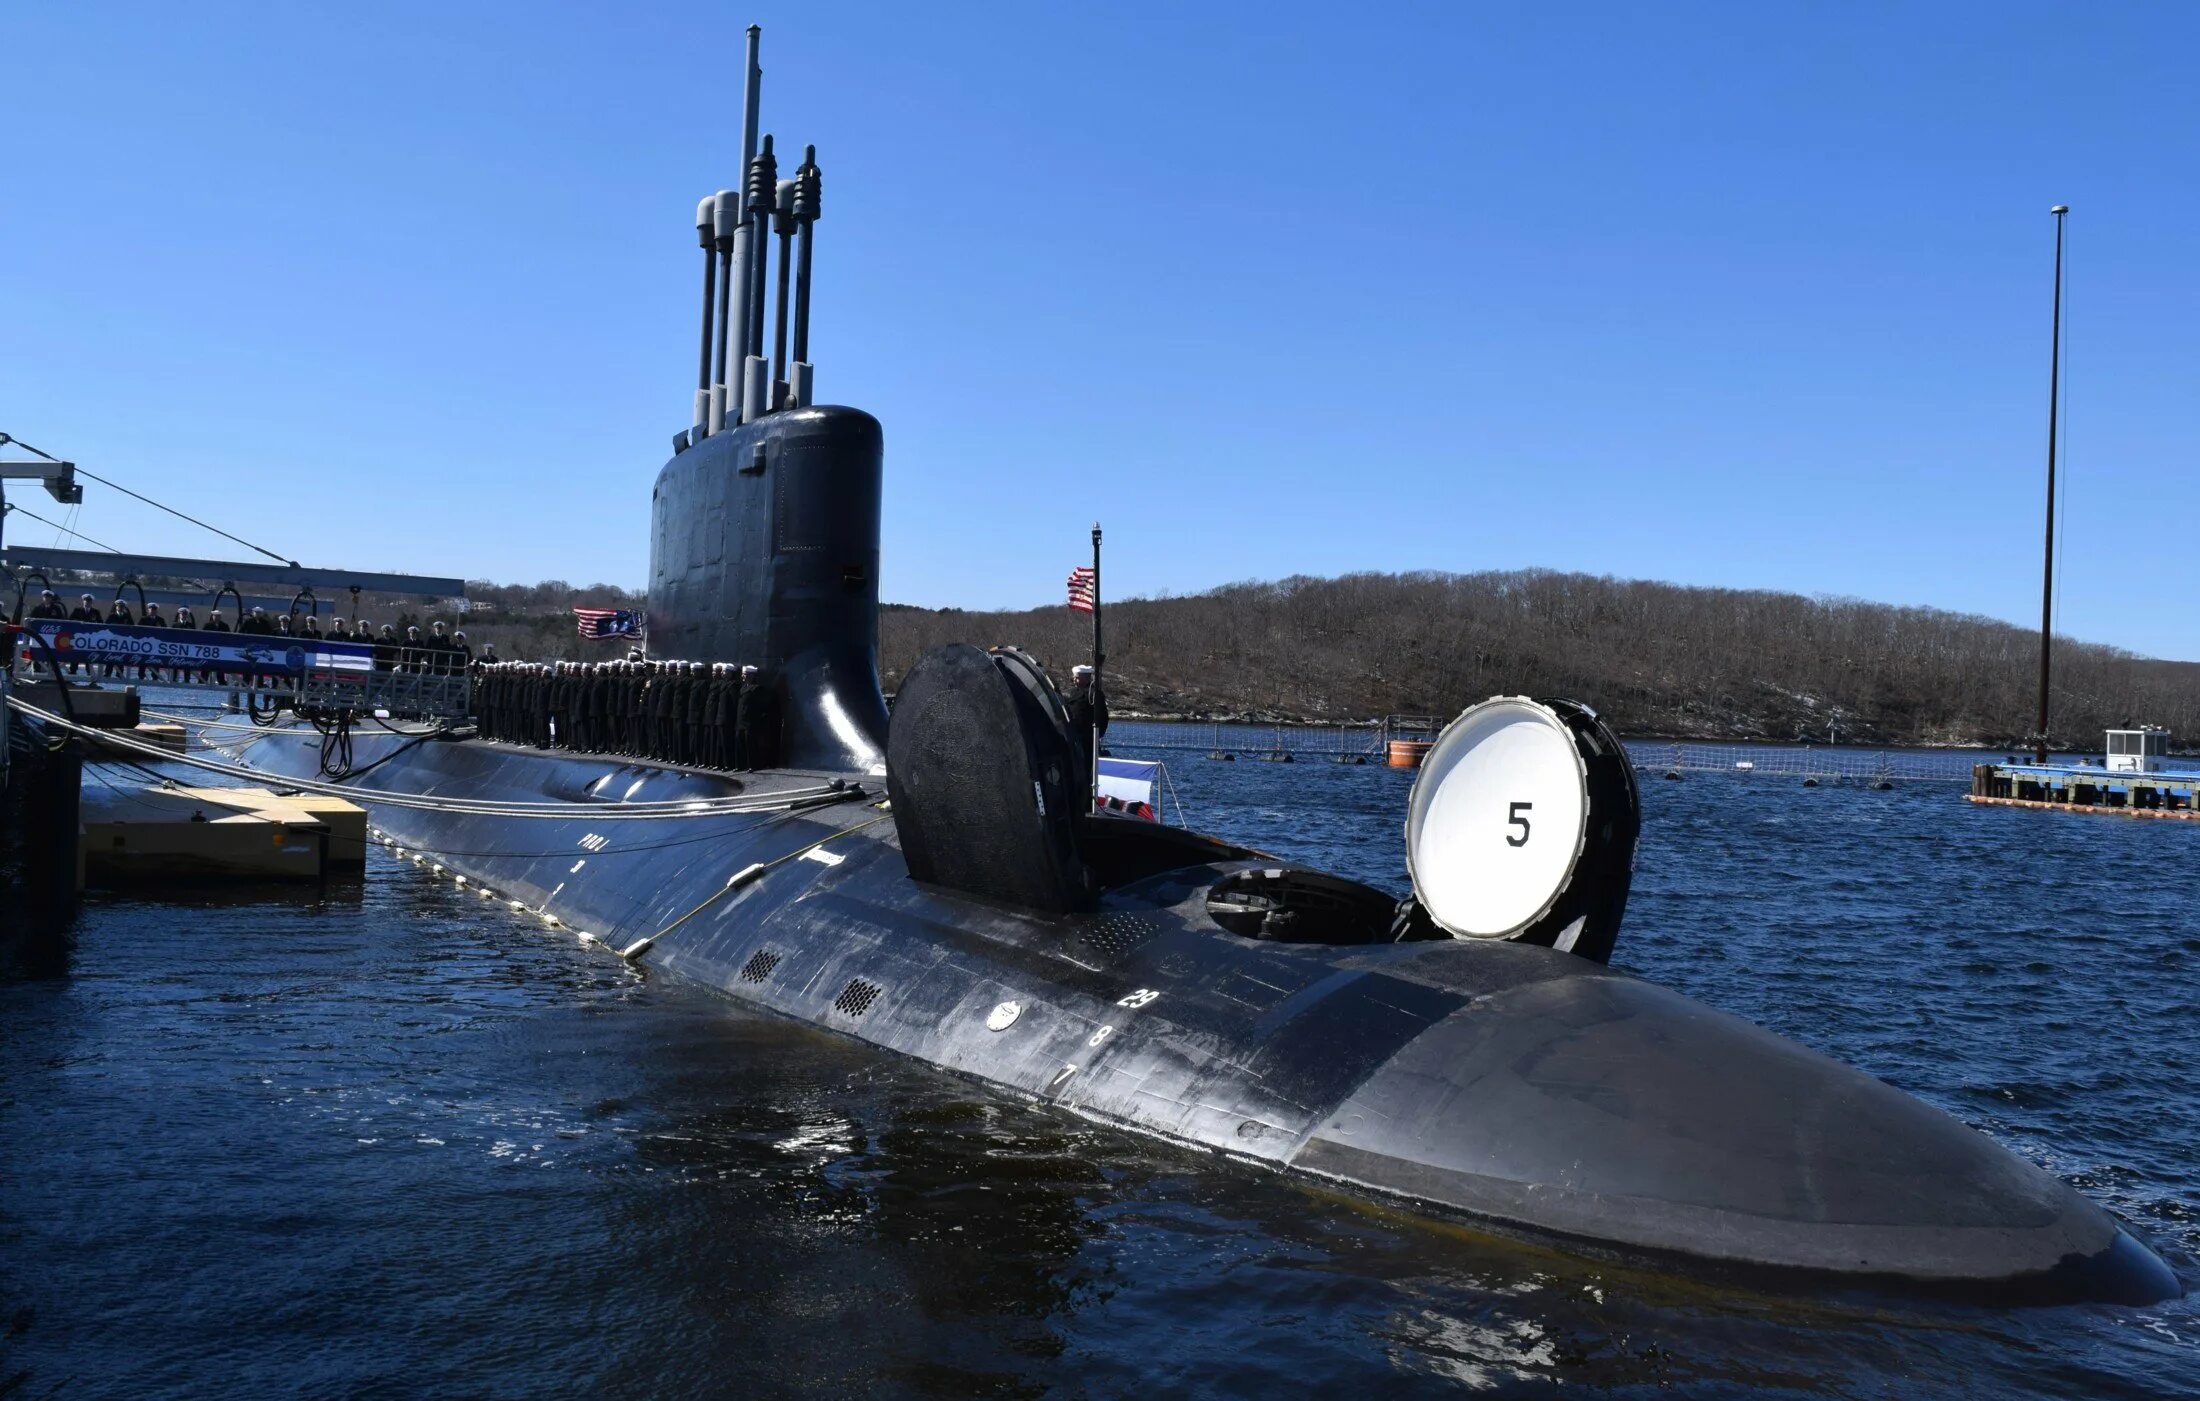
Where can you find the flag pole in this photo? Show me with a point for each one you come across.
(1097, 655)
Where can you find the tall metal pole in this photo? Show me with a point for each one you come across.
(736, 274)
(1098, 657)
(2047, 569)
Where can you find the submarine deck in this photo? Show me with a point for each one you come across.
(1528, 1090)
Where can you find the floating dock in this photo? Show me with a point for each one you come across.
(169, 834)
(2072, 788)
(165, 736)
(2132, 779)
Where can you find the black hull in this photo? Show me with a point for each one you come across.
(1532, 1091)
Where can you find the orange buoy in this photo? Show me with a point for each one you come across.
(1406, 753)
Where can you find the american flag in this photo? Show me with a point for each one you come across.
(1081, 582)
(603, 624)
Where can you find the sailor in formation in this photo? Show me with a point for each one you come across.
(704, 715)
(86, 611)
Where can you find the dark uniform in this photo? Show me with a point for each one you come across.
(120, 613)
(756, 729)
(602, 698)
(725, 713)
(152, 619)
(255, 624)
(622, 708)
(656, 707)
(1087, 704)
(214, 623)
(560, 719)
(49, 606)
(84, 612)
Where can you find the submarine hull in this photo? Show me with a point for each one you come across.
(1531, 1091)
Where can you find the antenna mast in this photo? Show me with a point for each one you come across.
(2047, 572)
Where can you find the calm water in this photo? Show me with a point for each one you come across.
(403, 1146)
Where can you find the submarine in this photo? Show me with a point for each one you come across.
(934, 881)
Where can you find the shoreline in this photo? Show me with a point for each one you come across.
(1631, 737)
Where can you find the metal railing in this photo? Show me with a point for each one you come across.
(1856, 765)
(1211, 737)
(406, 694)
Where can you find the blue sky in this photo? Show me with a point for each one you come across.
(1749, 295)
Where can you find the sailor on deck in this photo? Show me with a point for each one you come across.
(695, 713)
(756, 728)
(120, 613)
(86, 611)
(1088, 711)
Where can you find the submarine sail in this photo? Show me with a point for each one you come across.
(934, 885)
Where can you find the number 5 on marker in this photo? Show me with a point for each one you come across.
(1517, 818)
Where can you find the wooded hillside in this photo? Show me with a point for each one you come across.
(1656, 659)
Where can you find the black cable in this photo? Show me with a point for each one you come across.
(334, 727)
(6, 439)
(415, 743)
(73, 534)
(263, 716)
(179, 515)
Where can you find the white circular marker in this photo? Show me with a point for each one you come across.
(1499, 811)
(1004, 1016)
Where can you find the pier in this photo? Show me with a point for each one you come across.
(2134, 778)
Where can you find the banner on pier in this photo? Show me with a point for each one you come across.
(258, 653)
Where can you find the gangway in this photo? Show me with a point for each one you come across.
(258, 672)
